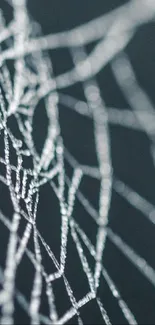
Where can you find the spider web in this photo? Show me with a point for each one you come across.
(39, 164)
